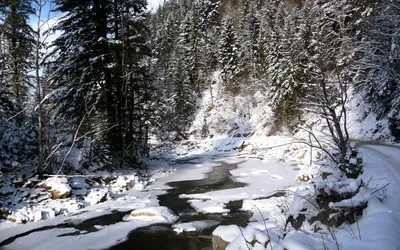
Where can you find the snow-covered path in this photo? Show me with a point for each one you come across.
(388, 156)
(382, 166)
(380, 225)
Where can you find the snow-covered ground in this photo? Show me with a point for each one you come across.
(273, 167)
(378, 228)
(265, 168)
(264, 177)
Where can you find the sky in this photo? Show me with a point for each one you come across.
(153, 4)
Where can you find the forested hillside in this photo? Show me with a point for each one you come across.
(224, 124)
(118, 74)
(289, 50)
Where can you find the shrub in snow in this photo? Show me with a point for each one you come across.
(351, 164)
(328, 201)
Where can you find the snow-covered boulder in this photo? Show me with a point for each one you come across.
(233, 237)
(58, 187)
(153, 215)
(128, 182)
(97, 195)
(195, 226)
(218, 243)
(223, 235)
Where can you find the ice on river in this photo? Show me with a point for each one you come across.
(263, 178)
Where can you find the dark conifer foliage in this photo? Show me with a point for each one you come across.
(281, 44)
(101, 74)
(17, 50)
(117, 73)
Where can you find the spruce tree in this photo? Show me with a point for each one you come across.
(228, 52)
(17, 46)
(100, 71)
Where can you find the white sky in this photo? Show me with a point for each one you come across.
(153, 4)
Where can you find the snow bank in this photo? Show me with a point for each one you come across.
(263, 178)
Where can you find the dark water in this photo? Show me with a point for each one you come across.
(162, 237)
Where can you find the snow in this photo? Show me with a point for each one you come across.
(195, 226)
(381, 168)
(364, 124)
(208, 206)
(153, 215)
(262, 176)
(227, 233)
(240, 238)
(96, 196)
(59, 185)
(107, 236)
(226, 115)
(266, 213)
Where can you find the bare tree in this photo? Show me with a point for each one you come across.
(44, 18)
(332, 51)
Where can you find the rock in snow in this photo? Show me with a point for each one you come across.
(195, 226)
(58, 187)
(153, 214)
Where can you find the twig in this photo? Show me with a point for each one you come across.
(69, 176)
(245, 241)
(265, 224)
(380, 188)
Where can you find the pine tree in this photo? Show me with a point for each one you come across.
(7, 107)
(287, 59)
(137, 93)
(101, 68)
(228, 52)
(249, 26)
(17, 45)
